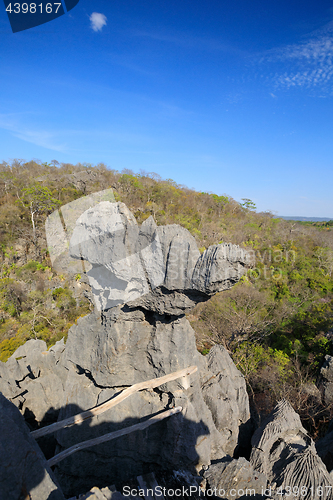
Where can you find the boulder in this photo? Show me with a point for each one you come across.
(219, 268)
(235, 477)
(23, 469)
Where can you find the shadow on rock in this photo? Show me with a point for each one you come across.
(159, 447)
(24, 472)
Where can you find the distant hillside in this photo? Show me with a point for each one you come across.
(304, 219)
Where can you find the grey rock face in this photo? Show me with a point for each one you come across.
(23, 469)
(225, 395)
(283, 451)
(235, 476)
(219, 268)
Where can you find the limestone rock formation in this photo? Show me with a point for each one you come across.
(283, 451)
(23, 469)
(236, 477)
(143, 280)
(157, 268)
(145, 347)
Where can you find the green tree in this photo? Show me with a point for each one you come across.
(39, 201)
(249, 204)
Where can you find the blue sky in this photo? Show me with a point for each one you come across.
(227, 97)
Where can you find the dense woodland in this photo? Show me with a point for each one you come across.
(277, 323)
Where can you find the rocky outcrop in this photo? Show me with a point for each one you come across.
(23, 469)
(142, 350)
(283, 451)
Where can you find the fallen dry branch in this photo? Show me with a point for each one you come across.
(148, 384)
(112, 435)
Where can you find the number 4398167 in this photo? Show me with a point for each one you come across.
(33, 8)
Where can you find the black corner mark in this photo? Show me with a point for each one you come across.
(23, 15)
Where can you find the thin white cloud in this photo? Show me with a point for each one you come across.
(11, 123)
(314, 50)
(189, 41)
(307, 64)
(97, 21)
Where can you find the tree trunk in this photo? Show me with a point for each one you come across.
(34, 236)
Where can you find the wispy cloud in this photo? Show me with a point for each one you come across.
(12, 123)
(70, 140)
(187, 40)
(114, 95)
(318, 49)
(127, 63)
(97, 21)
(308, 64)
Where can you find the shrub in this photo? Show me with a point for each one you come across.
(9, 346)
